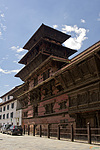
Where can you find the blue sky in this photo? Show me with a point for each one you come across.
(19, 19)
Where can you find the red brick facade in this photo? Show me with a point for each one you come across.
(57, 90)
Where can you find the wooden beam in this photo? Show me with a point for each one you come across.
(97, 70)
(71, 77)
(97, 55)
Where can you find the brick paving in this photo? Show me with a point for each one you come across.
(8, 142)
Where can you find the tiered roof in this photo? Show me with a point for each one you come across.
(45, 41)
(46, 32)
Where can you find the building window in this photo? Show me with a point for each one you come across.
(11, 115)
(62, 105)
(7, 115)
(0, 109)
(12, 105)
(49, 108)
(4, 108)
(3, 116)
(25, 114)
(7, 107)
(0, 116)
(5, 99)
(8, 97)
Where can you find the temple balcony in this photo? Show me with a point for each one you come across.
(30, 70)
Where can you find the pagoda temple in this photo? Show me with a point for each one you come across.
(42, 97)
(56, 90)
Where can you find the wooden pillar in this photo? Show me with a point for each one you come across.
(28, 129)
(72, 133)
(40, 130)
(97, 119)
(89, 133)
(24, 129)
(34, 130)
(58, 132)
(48, 131)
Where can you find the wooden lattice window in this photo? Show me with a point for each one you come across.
(62, 105)
(35, 111)
(46, 74)
(49, 108)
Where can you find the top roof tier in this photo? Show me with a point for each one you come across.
(46, 32)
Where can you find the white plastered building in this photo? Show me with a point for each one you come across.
(8, 110)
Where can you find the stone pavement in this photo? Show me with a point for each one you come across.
(8, 142)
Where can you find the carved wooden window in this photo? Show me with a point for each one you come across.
(25, 103)
(68, 78)
(94, 97)
(35, 111)
(48, 90)
(84, 67)
(46, 74)
(39, 94)
(60, 88)
(82, 98)
(72, 101)
(91, 65)
(25, 114)
(62, 105)
(49, 108)
(75, 73)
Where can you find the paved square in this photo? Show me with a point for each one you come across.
(8, 142)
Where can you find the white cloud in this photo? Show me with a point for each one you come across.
(2, 71)
(6, 85)
(3, 27)
(2, 15)
(5, 58)
(65, 16)
(19, 56)
(0, 34)
(82, 20)
(55, 26)
(8, 72)
(98, 17)
(17, 49)
(79, 36)
(15, 62)
(19, 52)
